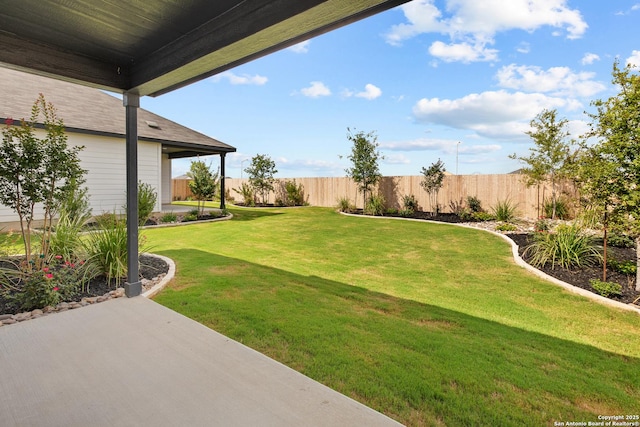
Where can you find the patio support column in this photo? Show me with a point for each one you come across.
(222, 178)
(133, 285)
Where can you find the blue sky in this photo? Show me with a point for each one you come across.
(434, 79)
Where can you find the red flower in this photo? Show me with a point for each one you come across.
(56, 289)
(58, 257)
(45, 269)
(9, 121)
(49, 276)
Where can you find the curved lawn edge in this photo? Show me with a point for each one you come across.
(522, 263)
(180, 224)
(165, 280)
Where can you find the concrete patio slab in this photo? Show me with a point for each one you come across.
(132, 362)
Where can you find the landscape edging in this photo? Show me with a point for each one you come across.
(165, 280)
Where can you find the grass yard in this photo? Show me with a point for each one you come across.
(430, 324)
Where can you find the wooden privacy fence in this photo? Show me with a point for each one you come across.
(489, 189)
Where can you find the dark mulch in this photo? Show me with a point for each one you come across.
(581, 277)
(150, 267)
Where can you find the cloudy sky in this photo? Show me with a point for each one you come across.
(457, 80)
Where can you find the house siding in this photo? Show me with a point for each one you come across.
(104, 160)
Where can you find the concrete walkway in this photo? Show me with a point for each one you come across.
(132, 362)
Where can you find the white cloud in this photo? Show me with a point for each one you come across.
(244, 79)
(396, 159)
(370, 92)
(317, 166)
(462, 52)
(589, 58)
(420, 144)
(302, 47)
(634, 59)
(316, 90)
(471, 25)
(558, 81)
(523, 47)
(495, 114)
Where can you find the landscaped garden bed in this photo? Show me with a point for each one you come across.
(97, 289)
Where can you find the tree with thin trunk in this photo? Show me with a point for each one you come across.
(364, 158)
(616, 125)
(432, 181)
(261, 173)
(203, 183)
(549, 156)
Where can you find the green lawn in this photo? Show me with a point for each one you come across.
(430, 324)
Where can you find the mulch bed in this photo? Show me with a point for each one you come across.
(150, 267)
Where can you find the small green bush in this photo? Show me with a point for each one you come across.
(375, 205)
(606, 289)
(474, 204)
(168, 217)
(562, 208)
(146, 201)
(409, 203)
(506, 226)
(482, 216)
(620, 240)
(505, 211)
(248, 194)
(107, 251)
(567, 247)
(66, 241)
(625, 267)
(456, 207)
(466, 214)
(541, 226)
(344, 205)
(190, 217)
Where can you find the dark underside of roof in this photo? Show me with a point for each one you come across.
(154, 46)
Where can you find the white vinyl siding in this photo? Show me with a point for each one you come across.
(104, 160)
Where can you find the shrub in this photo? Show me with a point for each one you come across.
(620, 240)
(107, 251)
(506, 226)
(541, 226)
(289, 193)
(190, 217)
(66, 241)
(606, 289)
(146, 201)
(625, 267)
(375, 205)
(482, 216)
(456, 207)
(409, 203)
(168, 217)
(474, 204)
(505, 211)
(466, 215)
(106, 220)
(562, 208)
(247, 193)
(344, 205)
(568, 247)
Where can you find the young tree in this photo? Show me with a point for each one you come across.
(614, 181)
(432, 181)
(549, 157)
(34, 170)
(203, 183)
(261, 172)
(364, 157)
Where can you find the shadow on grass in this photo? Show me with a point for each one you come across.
(418, 363)
(250, 214)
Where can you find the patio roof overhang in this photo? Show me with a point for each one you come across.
(151, 47)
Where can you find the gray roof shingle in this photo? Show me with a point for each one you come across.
(85, 109)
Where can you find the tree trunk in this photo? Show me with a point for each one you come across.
(637, 263)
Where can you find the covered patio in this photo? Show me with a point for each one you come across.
(131, 361)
